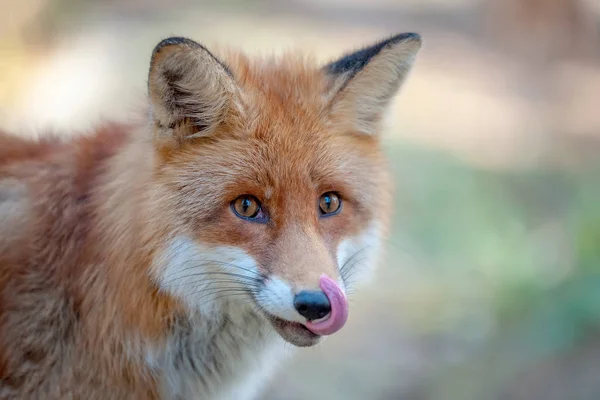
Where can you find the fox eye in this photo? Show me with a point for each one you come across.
(247, 207)
(329, 204)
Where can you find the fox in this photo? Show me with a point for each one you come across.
(176, 257)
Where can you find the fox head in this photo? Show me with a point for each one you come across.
(270, 178)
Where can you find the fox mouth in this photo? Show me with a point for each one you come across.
(294, 332)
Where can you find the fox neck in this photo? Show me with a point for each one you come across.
(121, 241)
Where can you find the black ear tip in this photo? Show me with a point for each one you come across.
(357, 60)
(174, 41)
(405, 37)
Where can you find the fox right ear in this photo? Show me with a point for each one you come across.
(362, 83)
(190, 90)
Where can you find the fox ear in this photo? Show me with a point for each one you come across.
(190, 90)
(362, 84)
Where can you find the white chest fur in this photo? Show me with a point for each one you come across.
(221, 358)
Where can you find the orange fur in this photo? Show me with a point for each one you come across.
(85, 221)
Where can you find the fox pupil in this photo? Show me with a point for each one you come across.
(246, 204)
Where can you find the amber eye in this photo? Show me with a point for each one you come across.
(246, 206)
(329, 203)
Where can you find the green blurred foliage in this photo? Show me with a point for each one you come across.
(533, 237)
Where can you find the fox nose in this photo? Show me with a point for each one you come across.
(312, 304)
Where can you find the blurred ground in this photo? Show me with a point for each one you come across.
(491, 286)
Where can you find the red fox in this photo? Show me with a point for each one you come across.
(172, 260)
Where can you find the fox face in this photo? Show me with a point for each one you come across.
(269, 179)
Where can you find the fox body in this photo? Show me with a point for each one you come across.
(172, 260)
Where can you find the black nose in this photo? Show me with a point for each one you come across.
(312, 304)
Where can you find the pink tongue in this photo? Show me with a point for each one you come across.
(339, 309)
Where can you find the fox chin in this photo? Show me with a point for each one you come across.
(171, 260)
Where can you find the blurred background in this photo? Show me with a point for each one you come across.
(491, 284)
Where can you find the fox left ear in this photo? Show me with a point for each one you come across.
(190, 90)
(362, 84)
